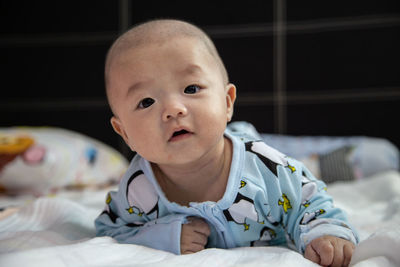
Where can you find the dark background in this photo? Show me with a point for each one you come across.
(301, 67)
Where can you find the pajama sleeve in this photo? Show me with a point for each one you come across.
(307, 211)
(130, 225)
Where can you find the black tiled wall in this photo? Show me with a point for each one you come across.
(301, 68)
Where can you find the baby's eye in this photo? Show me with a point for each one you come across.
(192, 89)
(146, 102)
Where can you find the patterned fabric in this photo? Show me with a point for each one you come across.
(270, 199)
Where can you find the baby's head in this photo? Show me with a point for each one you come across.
(168, 89)
(158, 31)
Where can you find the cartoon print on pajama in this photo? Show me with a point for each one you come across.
(309, 216)
(267, 234)
(285, 203)
(308, 189)
(242, 208)
(269, 156)
(113, 217)
(141, 195)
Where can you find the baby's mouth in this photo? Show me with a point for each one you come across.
(179, 134)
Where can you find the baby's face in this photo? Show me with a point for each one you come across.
(170, 100)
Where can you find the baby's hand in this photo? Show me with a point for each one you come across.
(330, 251)
(194, 235)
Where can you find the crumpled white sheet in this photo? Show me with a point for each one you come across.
(105, 252)
(373, 207)
(59, 231)
(380, 249)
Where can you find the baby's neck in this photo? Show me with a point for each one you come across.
(201, 182)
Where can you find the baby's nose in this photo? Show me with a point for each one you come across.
(174, 109)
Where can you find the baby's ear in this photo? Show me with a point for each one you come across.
(230, 100)
(119, 128)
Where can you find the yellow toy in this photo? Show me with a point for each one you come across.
(12, 146)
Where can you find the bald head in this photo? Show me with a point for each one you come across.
(158, 31)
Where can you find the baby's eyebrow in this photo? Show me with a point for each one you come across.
(135, 86)
(192, 69)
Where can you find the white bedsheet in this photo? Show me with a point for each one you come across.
(59, 231)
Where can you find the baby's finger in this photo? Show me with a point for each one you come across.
(337, 256)
(348, 250)
(191, 248)
(325, 250)
(311, 254)
(200, 226)
(200, 239)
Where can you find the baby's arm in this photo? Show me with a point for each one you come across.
(194, 235)
(163, 233)
(130, 226)
(330, 251)
(311, 216)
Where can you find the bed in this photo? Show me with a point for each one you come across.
(51, 224)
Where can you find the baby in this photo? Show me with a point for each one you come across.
(194, 184)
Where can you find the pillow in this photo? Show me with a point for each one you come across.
(332, 158)
(41, 160)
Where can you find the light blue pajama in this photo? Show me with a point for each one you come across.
(270, 199)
